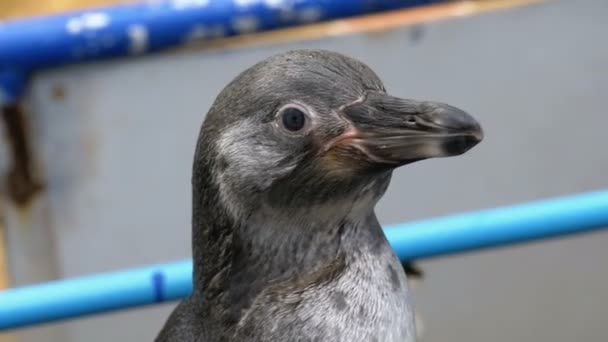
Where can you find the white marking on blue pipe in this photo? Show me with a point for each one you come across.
(245, 24)
(217, 31)
(277, 3)
(198, 32)
(138, 38)
(87, 21)
(246, 3)
(187, 4)
(310, 14)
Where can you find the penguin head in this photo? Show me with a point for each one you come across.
(313, 126)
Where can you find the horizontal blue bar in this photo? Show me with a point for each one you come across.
(102, 292)
(420, 239)
(500, 226)
(132, 29)
(155, 25)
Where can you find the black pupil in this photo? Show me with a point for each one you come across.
(293, 119)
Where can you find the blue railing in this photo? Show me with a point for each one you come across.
(138, 28)
(421, 239)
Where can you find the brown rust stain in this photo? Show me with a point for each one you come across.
(58, 92)
(22, 182)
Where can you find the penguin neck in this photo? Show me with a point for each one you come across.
(235, 259)
(291, 242)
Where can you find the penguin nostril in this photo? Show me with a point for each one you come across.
(410, 120)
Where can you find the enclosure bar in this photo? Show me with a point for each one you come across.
(150, 26)
(420, 239)
(137, 28)
(494, 227)
(124, 30)
(98, 293)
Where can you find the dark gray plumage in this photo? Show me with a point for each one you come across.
(290, 162)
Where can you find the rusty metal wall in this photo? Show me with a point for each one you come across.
(113, 144)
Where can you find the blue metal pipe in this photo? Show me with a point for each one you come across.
(12, 85)
(420, 239)
(138, 28)
(500, 226)
(99, 293)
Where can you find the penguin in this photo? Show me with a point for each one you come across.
(291, 159)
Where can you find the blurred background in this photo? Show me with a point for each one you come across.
(109, 149)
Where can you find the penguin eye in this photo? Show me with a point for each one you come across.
(292, 118)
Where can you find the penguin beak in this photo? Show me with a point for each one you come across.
(393, 131)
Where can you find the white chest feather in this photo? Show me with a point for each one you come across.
(368, 302)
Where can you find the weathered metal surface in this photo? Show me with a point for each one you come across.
(22, 181)
(24, 207)
(115, 149)
(4, 277)
(4, 273)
